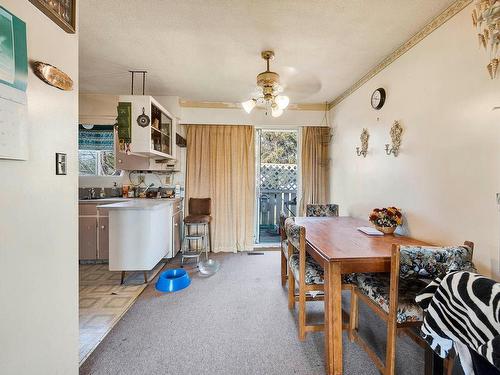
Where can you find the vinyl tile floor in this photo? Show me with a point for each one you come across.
(103, 301)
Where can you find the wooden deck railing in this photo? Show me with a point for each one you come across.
(271, 204)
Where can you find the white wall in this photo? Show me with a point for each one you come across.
(448, 172)
(38, 218)
(218, 116)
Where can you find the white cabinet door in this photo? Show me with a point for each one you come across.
(176, 232)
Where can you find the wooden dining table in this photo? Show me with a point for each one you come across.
(337, 244)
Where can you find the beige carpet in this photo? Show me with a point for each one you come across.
(235, 322)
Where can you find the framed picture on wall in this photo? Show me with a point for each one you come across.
(62, 12)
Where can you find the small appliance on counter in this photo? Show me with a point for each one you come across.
(170, 193)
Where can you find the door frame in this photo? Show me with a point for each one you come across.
(256, 239)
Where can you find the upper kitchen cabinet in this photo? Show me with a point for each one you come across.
(146, 128)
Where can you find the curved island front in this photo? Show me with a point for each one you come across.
(142, 232)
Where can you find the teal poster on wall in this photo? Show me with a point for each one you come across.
(13, 84)
(13, 57)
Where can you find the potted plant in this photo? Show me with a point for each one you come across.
(387, 219)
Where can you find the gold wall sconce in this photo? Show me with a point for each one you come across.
(364, 143)
(396, 132)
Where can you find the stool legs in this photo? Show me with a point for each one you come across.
(201, 237)
(210, 236)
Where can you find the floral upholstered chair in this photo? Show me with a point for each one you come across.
(303, 269)
(392, 296)
(308, 274)
(322, 210)
(284, 248)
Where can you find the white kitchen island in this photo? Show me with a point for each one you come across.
(142, 232)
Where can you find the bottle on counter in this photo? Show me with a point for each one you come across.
(125, 191)
(115, 192)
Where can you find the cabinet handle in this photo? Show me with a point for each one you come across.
(103, 227)
(175, 224)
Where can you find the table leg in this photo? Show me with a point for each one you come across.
(333, 318)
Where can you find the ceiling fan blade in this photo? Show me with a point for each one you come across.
(299, 85)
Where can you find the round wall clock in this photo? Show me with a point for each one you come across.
(378, 98)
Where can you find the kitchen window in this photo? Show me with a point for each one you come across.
(96, 153)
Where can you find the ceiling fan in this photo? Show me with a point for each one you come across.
(269, 90)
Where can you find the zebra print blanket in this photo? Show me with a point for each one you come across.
(464, 308)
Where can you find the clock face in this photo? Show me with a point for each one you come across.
(378, 98)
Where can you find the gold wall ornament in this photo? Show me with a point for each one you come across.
(326, 136)
(52, 76)
(364, 143)
(396, 132)
(486, 21)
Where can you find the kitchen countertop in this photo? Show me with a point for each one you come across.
(104, 200)
(135, 203)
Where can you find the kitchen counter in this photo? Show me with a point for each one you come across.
(139, 203)
(142, 231)
(105, 200)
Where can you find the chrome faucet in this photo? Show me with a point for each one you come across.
(91, 193)
(150, 185)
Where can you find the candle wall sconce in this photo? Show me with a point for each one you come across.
(396, 132)
(364, 143)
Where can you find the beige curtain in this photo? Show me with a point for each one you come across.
(221, 165)
(314, 164)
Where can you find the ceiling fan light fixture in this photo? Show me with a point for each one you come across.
(249, 105)
(282, 101)
(270, 89)
(276, 112)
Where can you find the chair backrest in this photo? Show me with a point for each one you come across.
(425, 262)
(429, 262)
(283, 217)
(293, 233)
(322, 210)
(200, 206)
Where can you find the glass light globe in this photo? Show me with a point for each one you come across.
(282, 101)
(248, 105)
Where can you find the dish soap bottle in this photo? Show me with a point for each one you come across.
(114, 191)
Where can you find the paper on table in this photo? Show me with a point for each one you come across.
(370, 231)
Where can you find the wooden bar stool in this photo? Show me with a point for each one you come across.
(199, 216)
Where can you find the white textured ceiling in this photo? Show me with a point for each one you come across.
(209, 50)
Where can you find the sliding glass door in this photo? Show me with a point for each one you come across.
(276, 181)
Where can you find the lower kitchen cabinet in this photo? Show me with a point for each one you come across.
(93, 232)
(87, 237)
(176, 232)
(103, 249)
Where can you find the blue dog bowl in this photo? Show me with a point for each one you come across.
(173, 280)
